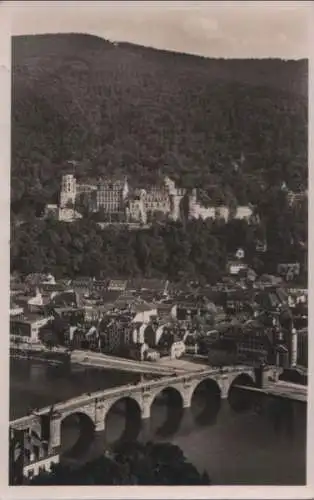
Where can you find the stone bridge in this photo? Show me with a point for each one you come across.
(214, 384)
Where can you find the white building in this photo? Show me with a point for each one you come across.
(177, 350)
(198, 211)
(16, 311)
(143, 313)
(68, 214)
(27, 328)
(44, 465)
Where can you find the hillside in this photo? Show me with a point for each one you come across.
(142, 112)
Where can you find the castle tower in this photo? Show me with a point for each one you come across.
(175, 202)
(169, 185)
(142, 209)
(68, 190)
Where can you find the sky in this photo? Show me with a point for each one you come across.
(213, 29)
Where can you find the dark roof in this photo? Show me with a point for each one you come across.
(110, 295)
(67, 308)
(148, 295)
(100, 283)
(18, 286)
(152, 284)
(282, 349)
(163, 307)
(117, 282)
(63, 298)
(52, 287)
(30, 317)
(35, 278)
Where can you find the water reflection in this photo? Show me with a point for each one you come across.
(123, 421)
(166, 413)
(77, 435)
(205, 403)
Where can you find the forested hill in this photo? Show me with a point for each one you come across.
(144, 113)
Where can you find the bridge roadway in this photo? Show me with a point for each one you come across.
(99, 360)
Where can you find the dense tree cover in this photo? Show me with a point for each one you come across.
(232, 127)
(175, 250)
(130, 463)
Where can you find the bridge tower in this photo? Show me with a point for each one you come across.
(16, 457)
(54, 432)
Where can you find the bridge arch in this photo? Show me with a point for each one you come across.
(77, 433)
(241, 399)
(123, 420)
(206, 401)
(166, 411)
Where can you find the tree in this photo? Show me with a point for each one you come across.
(194, 126)
(130, 463)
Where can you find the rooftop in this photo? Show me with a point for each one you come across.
(147, 284)
(31, 317)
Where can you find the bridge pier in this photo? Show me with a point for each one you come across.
(224, 386)
(99, 417)
(55, 432)
(145, 432)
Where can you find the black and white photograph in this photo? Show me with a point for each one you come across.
(158, 314)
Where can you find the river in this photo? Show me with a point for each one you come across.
(237, 448)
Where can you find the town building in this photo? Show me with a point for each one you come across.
(26, 329)
(198, 211)
(116, 333)
(302, 347)
(37, 467)
(153, 285)
(250, 342)
(117, 285)
(28, 457)
(234, 267)
(143, 312)
(70, 315)
(68, 215)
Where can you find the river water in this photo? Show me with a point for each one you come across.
(236, 448)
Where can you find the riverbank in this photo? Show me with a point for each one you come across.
(39, 353)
